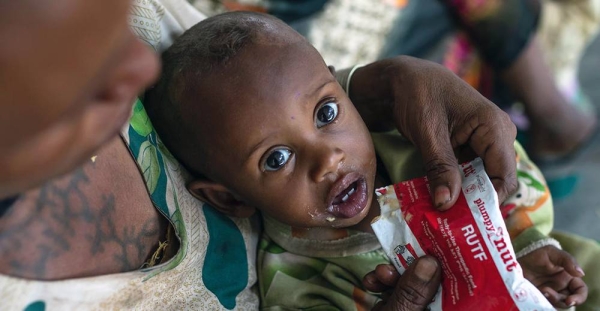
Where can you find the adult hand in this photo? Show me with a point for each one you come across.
(411, 291)
(440, 114)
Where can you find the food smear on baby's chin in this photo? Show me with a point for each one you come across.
(317, 215)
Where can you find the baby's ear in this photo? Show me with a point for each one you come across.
(219, 197)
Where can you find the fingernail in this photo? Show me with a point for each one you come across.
(572, 303)
(546, 295)
(390, 268)
(580, 270)
(442, 195)
(426, 268)
(369, 279)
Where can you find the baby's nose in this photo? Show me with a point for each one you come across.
(327, 162)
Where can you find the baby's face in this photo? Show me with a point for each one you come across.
(288, 140)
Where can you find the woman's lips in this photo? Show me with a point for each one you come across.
(348, 196)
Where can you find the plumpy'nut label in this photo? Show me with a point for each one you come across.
(470, 240)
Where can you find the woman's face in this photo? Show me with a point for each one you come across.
(69, 72)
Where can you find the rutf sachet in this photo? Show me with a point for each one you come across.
(470, 241)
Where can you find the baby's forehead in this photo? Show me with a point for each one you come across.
(255, 89)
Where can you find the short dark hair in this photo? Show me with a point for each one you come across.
(196, 54)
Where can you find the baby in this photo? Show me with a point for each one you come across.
(252, 111)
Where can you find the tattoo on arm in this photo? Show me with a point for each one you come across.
(58, 210)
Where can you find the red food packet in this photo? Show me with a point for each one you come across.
(479, 267)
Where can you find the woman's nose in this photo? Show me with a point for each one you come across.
(138, 67)
(144, 65)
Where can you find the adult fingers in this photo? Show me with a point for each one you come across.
(416, 286)
(372, 284)
(440, 164)
(383, 278)
(387, 274)
(491, 135)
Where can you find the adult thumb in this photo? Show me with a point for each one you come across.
(442, 171)
(416, 286)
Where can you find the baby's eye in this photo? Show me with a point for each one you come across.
(277, 159)
(326, 114)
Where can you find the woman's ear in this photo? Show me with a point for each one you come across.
(219, 197)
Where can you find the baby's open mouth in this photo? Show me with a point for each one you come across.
(345, 195)
(350, 196)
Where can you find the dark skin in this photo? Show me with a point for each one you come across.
(69, 243)
(557, 275)
(281, 84)
(123, 165)
(553, 271)
(470, 133)
(86, 61)
(113, 254)
(259, 113)
(479, 128)
(410, 292)
(122, 178)
(69, 72)
(96, 220)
